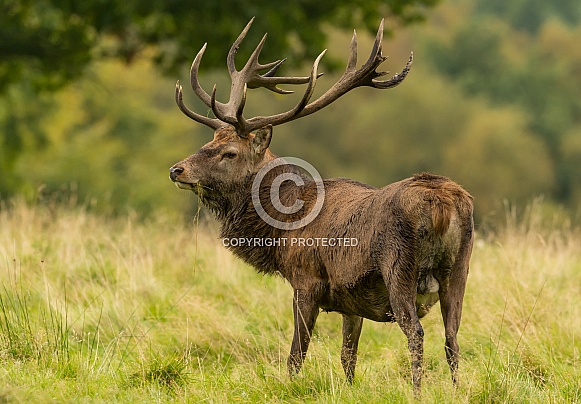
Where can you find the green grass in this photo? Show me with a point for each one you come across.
(97, 309)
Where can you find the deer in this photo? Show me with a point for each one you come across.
(410, 241)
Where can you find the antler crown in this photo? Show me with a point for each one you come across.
(230, 113)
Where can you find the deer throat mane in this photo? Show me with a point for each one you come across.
(245, 224)
(242, 222)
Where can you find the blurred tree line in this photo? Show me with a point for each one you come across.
(492, 100)
(50, 42)
(46, 44)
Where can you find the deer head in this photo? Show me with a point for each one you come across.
(240, 145)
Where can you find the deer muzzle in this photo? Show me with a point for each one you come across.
(175, 173)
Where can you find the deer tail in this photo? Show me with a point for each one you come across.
(442, 211)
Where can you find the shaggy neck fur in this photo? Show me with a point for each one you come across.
(233, 208)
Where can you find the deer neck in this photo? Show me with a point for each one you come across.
(242, 221)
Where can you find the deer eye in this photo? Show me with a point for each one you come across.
(229, 155)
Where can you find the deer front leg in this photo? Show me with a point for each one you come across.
(351, 332)
(305, 310)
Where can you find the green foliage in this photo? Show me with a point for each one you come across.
(107, 140)
(22, 119)
(48, 42)
(42, 43)
(571, 152)
(530, 15)
(516, 165)
(535, 72)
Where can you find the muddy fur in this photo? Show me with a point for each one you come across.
(414, 240)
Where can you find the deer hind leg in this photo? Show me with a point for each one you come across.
(451, 297)
(407, 319)
(305, 311)
(351, 332)
(402, 298)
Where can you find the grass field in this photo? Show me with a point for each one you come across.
(96, 309)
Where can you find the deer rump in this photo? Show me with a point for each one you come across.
(407, 235)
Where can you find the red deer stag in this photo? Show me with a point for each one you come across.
(405, 246)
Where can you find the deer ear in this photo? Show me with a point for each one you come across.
(261, 139)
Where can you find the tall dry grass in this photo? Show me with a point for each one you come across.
(114, 309)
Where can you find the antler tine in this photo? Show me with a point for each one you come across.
(252, 62)
(212, 123)
(352, 78)
(275, 66)
(194, 82)
(397, 78)
(269, 74)
(261, 121)
(236, 45)
(375, 57)
(255, 80)
(239, 118)
(218, 112)
(352, 63)
(267, 78)
(248, 77)
(311, 86)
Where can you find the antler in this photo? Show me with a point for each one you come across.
(250, 77)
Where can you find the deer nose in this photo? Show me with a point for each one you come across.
(175, 172)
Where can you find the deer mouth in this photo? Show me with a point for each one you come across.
(186, 185)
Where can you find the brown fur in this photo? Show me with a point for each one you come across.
(414, 240)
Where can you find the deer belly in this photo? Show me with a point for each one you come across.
(367, 298)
